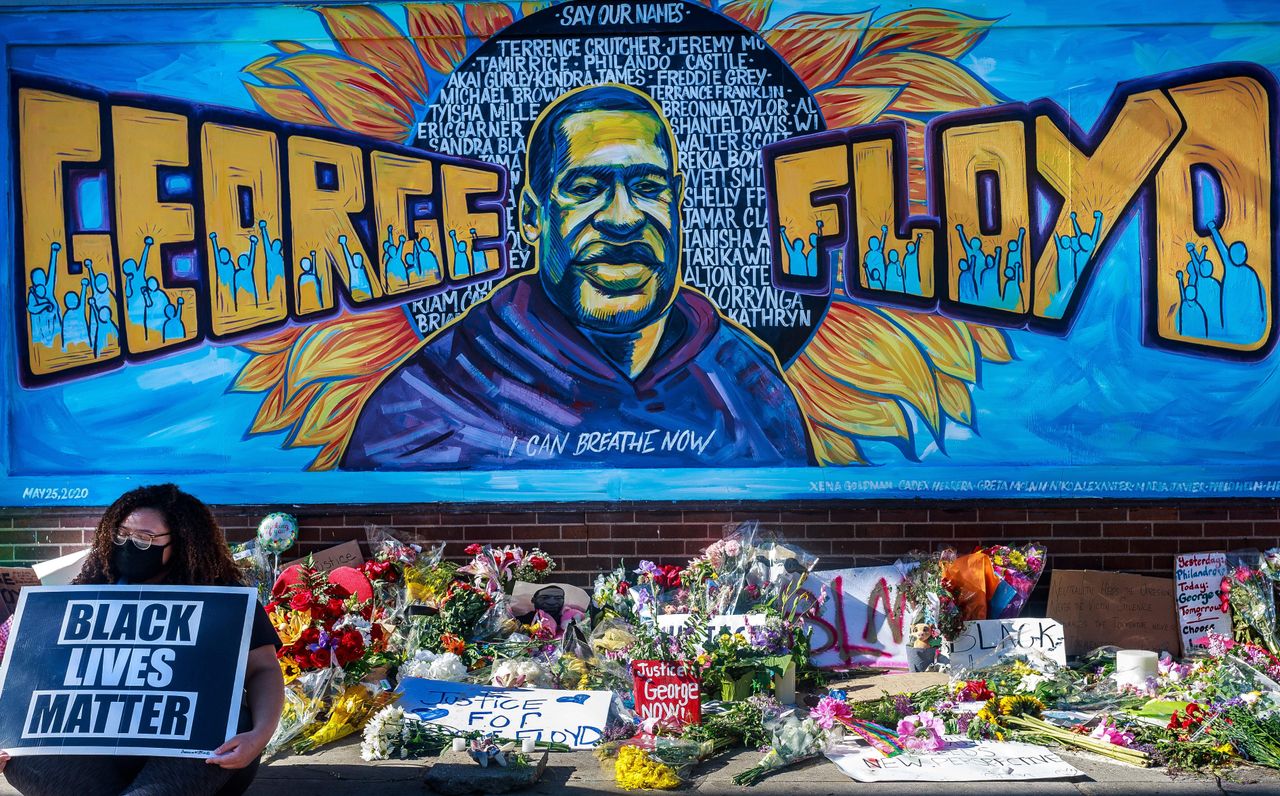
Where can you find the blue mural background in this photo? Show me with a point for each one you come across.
(1091, 413)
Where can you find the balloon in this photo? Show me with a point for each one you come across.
(277, 532)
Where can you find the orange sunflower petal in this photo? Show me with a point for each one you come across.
(956, 400)
(835, 448)
(932, 84)
(486, 19)
(862, 348)
(288, 105)
(261, 372)
(947, 344)
(276, 341)
(264, 69)
(818, 46)
(437, 30)
(289, 47)
(851, 411)
(993, 343)
(368, 35)
(351, 346)
(751, 13)
(353, 95)
(852, 106)
(939, 31)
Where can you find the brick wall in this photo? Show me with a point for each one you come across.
(1119, 536)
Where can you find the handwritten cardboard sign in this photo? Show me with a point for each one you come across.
(346, 554)
(721, 623)
(667, 692)
(575, 718)
(962, 760)
(12, 580)
(862, 623)
(125, 670)
(1199, 576)
(1099, 608)
(986, 642)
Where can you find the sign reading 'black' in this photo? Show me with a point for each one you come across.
(133, 670)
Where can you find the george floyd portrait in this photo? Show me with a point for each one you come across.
(601, 355)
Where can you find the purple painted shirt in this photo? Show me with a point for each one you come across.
(513, 383)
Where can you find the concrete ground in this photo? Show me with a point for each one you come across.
(338, 770)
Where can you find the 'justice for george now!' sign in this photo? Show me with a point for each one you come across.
(136, 670)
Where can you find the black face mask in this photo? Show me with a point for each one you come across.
(136, 565)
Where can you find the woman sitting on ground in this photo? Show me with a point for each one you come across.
(161, 535)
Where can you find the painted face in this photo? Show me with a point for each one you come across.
(607, 234)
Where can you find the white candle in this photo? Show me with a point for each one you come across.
(527, 746)
(459, 744)
(1133, 667)
(784, 686)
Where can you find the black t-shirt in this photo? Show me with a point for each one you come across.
(263, 632)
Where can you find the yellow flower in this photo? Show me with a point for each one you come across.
(290, 669)
(1021, 706)
(635, 770)
(1225, 749)
(290, 624)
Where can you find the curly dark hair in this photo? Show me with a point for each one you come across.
(200, 554)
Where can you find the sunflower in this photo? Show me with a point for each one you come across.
(290, 669)
(867, 373)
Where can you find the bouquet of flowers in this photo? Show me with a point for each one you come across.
(793, 739)
(1247, 592)
(392, 734)
(319, 623)
(1019, 570)
(347, 715)
(932, 596)
(612, 596)
(496, 569)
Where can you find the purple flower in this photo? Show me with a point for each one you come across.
(921, 733)
(902, 705)
(648, 568)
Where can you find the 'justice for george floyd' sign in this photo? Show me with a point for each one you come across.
(135, 670)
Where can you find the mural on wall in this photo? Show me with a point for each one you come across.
(486, 251)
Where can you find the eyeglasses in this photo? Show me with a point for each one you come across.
(142, 541)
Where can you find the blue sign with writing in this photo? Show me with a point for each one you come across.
(136, 670)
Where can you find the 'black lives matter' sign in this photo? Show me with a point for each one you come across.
(131, 670)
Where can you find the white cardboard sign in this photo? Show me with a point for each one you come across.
(986, 642)
(1198, 576)
(863, 622)
(962, 760)
(576, 718)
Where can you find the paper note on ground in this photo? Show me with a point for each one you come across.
(962, 760)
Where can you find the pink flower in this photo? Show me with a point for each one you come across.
(829, 711)
(1109, 732)
(921, 733)
(1176, 672)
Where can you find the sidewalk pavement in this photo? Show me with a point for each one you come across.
(338, 770)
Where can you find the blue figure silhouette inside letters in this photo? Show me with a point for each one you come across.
(461, 263)
(273, 250)
(75, 329)
(173, 327)
(479, 257)
(1244, 303)
(357, 276)
(308, 281)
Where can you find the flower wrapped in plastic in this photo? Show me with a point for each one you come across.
(347, 715)
(794, 739)
(392, 734)
(305, 698)
(434, 666)
(1247, 592)
(1019, 570)
(637, 768)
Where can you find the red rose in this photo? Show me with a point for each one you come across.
(473, 550)
(623, 587)
(538, 563)
(272, 606)
(301, 600)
